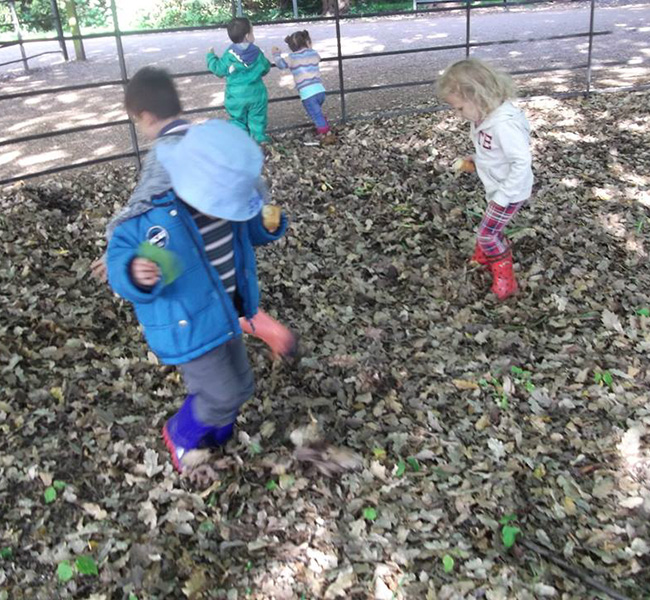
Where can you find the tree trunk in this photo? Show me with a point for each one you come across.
(73, 22)
(328, 7)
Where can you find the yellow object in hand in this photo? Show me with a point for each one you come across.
(271, 215)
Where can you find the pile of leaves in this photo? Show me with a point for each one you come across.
(484, 428)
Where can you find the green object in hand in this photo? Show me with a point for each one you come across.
(169, 264)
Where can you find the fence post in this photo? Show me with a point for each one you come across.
(468, 12)
(59, 29)
(19, 35)
(125, 79)
(340, 59)
(591, 43)
(295, 9)
(240, 12)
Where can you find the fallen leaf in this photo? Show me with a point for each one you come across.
(463, 384)
(95, 511)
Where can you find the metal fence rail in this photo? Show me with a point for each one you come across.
(339, 58)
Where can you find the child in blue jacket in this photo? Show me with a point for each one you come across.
(188, 266)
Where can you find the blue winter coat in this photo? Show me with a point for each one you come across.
(193, 314)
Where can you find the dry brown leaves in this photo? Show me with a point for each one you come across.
(462, 410)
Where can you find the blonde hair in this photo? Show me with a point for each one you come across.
(476, 82)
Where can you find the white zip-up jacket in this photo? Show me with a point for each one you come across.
(502, 159)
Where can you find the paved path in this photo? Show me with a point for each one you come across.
(184, 52)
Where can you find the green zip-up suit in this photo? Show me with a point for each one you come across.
(246, 95)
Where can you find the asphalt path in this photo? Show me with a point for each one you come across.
(620, 58)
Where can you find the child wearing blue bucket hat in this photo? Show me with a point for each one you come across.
(182, 252)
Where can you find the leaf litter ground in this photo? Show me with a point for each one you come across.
(471, 416)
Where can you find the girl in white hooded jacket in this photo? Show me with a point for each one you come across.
(501, 137)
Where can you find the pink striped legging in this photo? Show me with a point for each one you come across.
(490, 235)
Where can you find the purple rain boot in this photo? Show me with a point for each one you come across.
(184, 432)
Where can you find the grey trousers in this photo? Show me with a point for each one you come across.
(221, 380)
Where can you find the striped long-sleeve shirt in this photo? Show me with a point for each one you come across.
(305, 71)
(217, 238)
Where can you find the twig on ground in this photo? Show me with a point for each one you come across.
(573, 570)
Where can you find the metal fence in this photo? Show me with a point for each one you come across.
(341, 59)
(56, 21)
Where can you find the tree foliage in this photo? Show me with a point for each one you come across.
(36, 15)
(177, 13)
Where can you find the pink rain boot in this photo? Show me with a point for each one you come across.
(276, 336)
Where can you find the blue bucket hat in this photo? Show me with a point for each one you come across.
(216, 168)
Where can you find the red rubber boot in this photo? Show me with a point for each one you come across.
(276, 336)
(504, 283)
(479, 256)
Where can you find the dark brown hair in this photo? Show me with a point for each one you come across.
(152, 90)
(238, 29)
(298, 40)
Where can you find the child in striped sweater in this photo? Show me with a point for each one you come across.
(303, 63)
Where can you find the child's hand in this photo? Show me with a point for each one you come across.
(211, 50)
(98, 270)
(145, 272)
(275, 50)
(464, 165)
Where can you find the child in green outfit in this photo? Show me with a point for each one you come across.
(243, 65)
